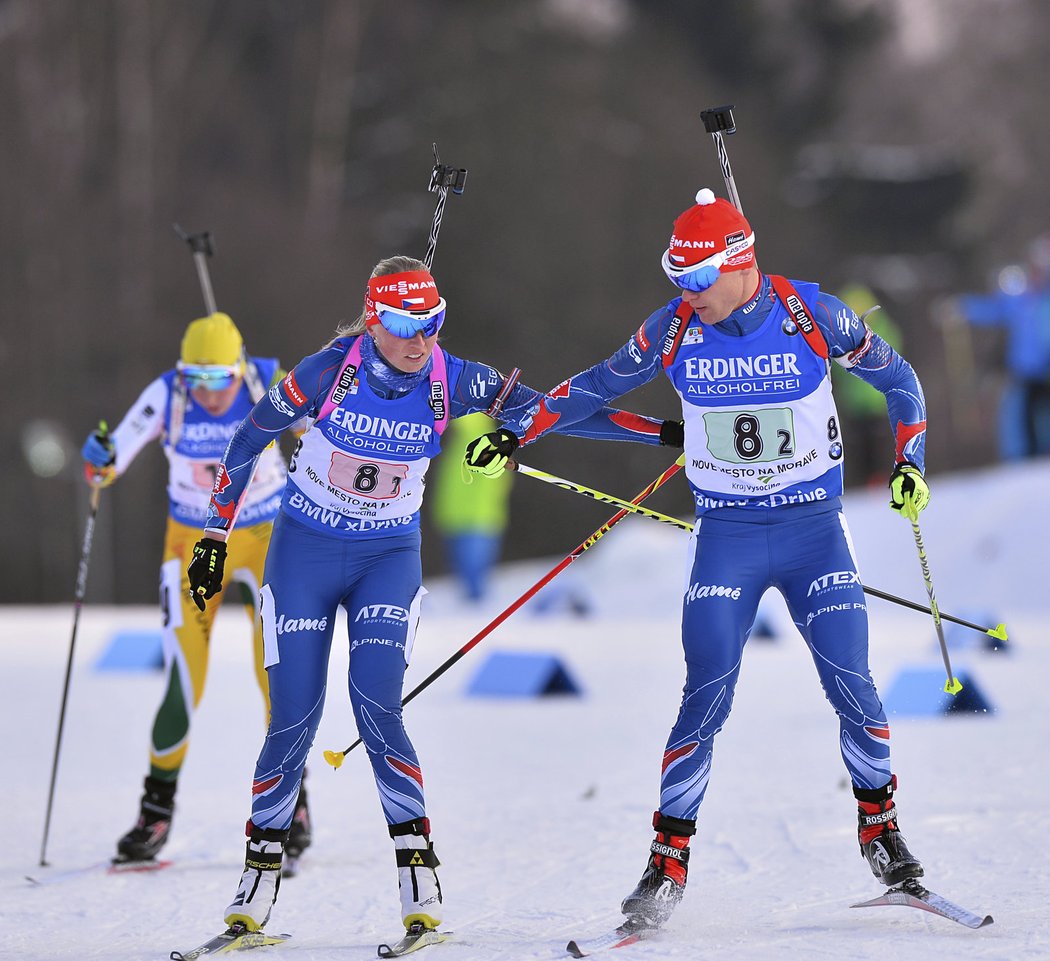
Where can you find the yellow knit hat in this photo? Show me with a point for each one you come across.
(212, 340)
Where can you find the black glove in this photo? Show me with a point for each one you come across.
(672, 433)
(487, 455)
(206, 569)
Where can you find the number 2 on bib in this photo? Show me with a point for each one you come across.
(744, 437)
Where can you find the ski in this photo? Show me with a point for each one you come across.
(631, 931)
(911, 894)
(235, 938)
(105, 867)
(415, 938)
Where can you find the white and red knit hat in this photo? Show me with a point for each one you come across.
(712, 229)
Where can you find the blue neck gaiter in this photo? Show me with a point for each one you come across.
(385, 380)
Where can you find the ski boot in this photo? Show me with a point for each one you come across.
(663, 881)
(881, 843)
(417, 878)
(300, 835)
(261, 879)
(151, 831)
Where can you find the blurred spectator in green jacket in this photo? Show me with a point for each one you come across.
(861, 407)
(470, 518)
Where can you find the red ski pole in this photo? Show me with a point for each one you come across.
(335, 758)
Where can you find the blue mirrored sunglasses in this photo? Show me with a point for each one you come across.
(408, 323)
(703, 275)
(208, 376)
(697, 280)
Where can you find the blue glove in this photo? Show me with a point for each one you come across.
(99, 455)
(98, 450)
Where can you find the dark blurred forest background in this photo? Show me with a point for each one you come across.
(903, 144)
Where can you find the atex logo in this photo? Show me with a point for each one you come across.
(832, 581)
(388, 612)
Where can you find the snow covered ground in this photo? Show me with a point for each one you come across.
(541, 806)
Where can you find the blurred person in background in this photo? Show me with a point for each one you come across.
(470, 518)
(862, 407)
(749, 355)
(193, 410)
(1020, 305)
(379, 398)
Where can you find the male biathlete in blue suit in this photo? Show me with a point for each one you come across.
(749, 356)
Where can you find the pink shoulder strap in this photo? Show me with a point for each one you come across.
(344, 382)
(439, 390)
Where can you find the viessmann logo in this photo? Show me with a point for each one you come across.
(697, 244)
(402, 287)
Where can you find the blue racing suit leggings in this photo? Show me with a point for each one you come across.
(807, 554)
(378, 581)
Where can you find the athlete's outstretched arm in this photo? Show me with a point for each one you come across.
(577, 404)
(865, 354)
(480, 383)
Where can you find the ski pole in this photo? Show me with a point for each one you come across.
(953, 685)
(719, 120)
(202, 249)
(999, 631)
(78, 601)
(600, 496)
(336, 758)
(442, 178)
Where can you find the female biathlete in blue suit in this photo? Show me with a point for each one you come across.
(347, 535)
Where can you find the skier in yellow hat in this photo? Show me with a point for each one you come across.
(193, 410)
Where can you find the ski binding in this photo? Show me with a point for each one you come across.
(236, 937)
(417, 936)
